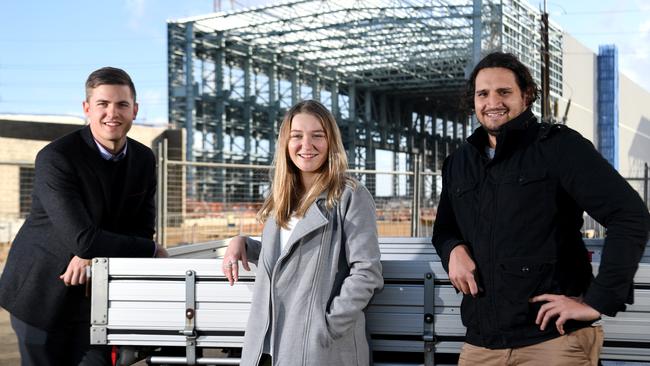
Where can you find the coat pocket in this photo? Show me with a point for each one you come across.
(462, 189)
(464, 197)
(468, 312)
(526, 196)
(519, 279)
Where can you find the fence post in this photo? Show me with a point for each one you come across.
(645, 185)
(415, 211)
(164, 186)
(159, 194)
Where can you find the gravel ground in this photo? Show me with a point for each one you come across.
(8, 347)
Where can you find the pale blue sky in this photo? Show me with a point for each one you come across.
(47, 48)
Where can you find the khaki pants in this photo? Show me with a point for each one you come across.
(581, 347)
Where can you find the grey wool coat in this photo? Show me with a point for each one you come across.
(309, 300)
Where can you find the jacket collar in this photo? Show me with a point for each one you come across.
(513, 133)
(313, 220)
(87, 137)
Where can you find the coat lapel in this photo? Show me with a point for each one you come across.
(94, 162)
(313, 220)
(270, 251)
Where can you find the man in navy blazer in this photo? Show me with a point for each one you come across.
(93, 197)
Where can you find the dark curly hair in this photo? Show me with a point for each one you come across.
(508, 61)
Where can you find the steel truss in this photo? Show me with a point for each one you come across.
(391, 71)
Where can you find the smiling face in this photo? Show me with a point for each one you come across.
(497, 99)
(307, 147)
(111, 111)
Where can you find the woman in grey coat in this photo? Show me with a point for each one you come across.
(318, 260)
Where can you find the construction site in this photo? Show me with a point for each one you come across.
(393, 73)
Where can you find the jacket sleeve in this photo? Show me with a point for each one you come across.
(601, 191)
(446, 234)
(362, 253)
(56, 185)
(253, 248)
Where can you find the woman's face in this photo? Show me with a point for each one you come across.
(308, 148)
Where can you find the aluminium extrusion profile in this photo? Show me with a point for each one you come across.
(143, 302)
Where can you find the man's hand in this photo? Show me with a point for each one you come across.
(236, 251)
(161, 252)
(462, 270)
(75, 274)
(564, 308)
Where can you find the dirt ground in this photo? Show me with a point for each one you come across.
(9, 355)
(8, 347)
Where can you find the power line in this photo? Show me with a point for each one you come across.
(592, 12)
(142, 102)
(73, 67)
(67, 85)
(607, 33)
(79, 40)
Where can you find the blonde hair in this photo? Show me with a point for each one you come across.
(286, 196)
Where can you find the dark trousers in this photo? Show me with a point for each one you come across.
(67, 345)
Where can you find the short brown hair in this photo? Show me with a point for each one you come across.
(108, 76)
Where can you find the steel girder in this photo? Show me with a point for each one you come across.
(382, 67)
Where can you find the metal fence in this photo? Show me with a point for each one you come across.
(199, 201)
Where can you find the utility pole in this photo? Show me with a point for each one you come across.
(546, 80)
(477, 30)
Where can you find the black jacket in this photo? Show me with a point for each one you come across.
(521, 214)
(81, 205)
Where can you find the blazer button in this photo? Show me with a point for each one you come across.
(525, 269)
(521, 179)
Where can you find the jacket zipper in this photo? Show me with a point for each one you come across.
(493, 270)
(266, 327)
(313, 291)
(272, 315)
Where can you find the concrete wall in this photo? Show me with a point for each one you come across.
(580, 85)
(17, 153)
(20, 149)
(633, 127)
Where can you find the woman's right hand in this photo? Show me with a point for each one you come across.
(235, 252)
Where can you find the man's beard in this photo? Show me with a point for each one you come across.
(492, 131)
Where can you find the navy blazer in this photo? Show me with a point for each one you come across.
(73, 213)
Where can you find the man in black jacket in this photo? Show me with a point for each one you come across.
(93, 197)
(508, 229)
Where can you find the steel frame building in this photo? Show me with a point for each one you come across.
(391, 71)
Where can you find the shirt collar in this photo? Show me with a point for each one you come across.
(107, 155)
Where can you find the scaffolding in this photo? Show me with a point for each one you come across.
(608, 89)
(391, 71)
